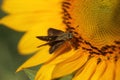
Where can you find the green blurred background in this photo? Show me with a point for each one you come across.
(10, 59)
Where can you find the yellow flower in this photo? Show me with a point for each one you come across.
(93, 53)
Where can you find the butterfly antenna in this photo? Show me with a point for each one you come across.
(43, 45)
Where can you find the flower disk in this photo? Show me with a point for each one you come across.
(91, 53)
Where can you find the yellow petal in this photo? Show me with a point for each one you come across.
(40, 57)
(76, 55)
(23, 22)
(45, 72)
(63, 57)
(29, 42)
(22, 6)
(99, 70)
(117, 70)
(109, 72)
(66, 67)
(88, 70)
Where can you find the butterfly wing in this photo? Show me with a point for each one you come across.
(55, 46)
(46, 38)
(52, 35)
(51, 38)
(54, 32)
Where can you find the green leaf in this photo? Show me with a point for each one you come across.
(30, 73)
(68, 77)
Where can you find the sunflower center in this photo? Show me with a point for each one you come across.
(95, 24)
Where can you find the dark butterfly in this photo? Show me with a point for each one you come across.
(55, 38)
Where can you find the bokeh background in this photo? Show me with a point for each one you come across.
(10, 59)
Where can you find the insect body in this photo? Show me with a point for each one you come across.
(55, 38)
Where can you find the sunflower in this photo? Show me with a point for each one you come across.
(92, 52)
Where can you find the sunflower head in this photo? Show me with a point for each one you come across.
(73, 36)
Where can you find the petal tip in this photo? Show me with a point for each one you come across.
(19, 69)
